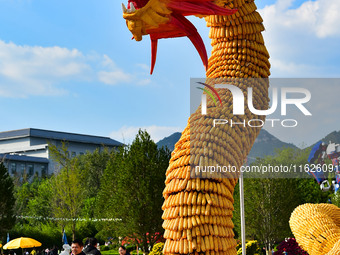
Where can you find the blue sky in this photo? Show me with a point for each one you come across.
(72, 66)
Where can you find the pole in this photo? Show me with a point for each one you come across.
(243, 227)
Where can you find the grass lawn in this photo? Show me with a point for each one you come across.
(114, 252)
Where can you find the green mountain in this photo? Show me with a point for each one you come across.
(169, 141)
(333, 137)
(265, 144)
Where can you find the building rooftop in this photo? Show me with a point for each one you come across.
(57, 135)
(19, 157)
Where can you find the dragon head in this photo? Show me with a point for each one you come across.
(166, 19)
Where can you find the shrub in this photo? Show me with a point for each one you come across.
(110, 252)
(130, 247)
(157, 249)
(239, 245)
(291, 247)
(104, 248)
(252, 248)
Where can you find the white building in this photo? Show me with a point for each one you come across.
(28, 149)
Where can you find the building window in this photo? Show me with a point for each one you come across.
(22, 168)
(43, 171)
(13, 168)
(73, 154)
(30, 169)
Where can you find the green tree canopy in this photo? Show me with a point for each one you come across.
(7, 202)
(132, 190)
(67, 188)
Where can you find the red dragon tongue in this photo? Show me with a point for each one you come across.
(154, 43)
(191, 32)
(179, 26)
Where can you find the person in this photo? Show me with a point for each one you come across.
(67, 249)
(91, 247)
(77, 247)
(53, 251)
(122, 251)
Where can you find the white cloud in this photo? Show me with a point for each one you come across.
(144, 82)
(26, 70)
(114, 77)
(302, 41)
(319, 17)
(40, 71)
(127, 134)
(113, 74)
(292, 68)
(145, 67)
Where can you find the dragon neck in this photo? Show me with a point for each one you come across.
(238, 46)
(238, 51)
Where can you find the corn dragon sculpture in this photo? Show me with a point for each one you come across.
(197, 207)
(198, 211)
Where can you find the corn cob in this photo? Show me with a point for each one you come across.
(198, 211)
(316, 228)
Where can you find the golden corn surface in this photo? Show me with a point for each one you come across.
(316, 228)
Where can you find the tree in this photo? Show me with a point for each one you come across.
(7, 216)
(269, 202)
(23, 195)
(68, 190)
(33, 202)
(132, 190)
(92, 167)
(40, 203)
(107, 197)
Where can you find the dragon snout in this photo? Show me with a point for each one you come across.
(142, 16)
(131, 8)
(133, 5)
